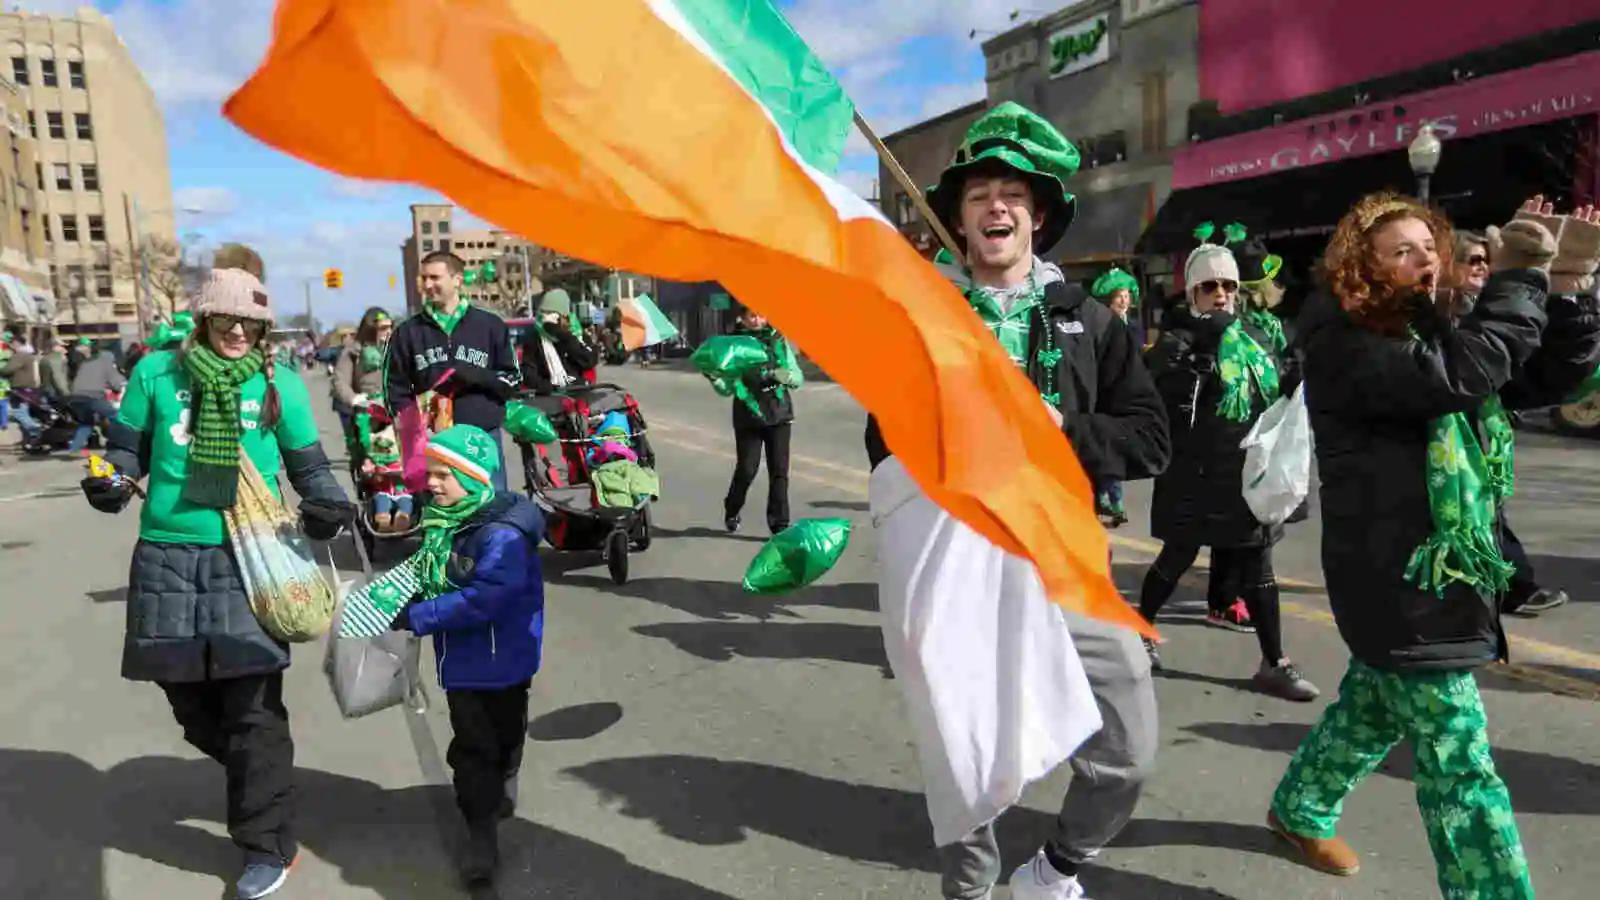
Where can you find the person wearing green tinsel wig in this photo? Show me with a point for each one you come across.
(1119, 291)
(1219, 366)
(1415, 458)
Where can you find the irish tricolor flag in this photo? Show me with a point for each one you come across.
(643, 325)
(690, 140)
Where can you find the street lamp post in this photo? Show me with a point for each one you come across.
(1424, 154)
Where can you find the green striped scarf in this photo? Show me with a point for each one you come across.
(214, 451)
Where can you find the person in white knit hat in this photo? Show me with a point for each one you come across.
(1218, 367)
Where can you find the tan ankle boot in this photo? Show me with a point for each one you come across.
(381, 522)
(1330, 855)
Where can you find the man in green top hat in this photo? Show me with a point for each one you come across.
(1004, 200)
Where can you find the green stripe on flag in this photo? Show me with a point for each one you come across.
(660, 327)
(755, 43)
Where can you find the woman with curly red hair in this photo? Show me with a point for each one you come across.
(1414, 453)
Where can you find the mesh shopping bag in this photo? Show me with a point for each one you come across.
(291, 598)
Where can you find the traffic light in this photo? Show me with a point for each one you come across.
(333, 279)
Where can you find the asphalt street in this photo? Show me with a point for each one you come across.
(692, 742)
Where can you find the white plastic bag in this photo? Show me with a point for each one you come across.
(371, 674)
(1277, 460)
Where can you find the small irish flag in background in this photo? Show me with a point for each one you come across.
(691, 140)
(643, 325)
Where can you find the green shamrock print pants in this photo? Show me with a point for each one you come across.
(1465, 806)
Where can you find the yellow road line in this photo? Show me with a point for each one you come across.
(1542, 650)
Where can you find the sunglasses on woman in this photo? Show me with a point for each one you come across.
(1212, 287)
(1477, 259)
(224, 323)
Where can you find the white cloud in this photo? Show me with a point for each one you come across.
(205, 201)
(357, 189)
(195, 51)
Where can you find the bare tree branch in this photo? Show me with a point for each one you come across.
(162, 263)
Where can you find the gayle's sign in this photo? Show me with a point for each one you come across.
(1079, 46)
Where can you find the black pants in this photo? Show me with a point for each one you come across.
(1523, 583)
(1248, 567)
(242, 724)
(485, 752)
(748, 444)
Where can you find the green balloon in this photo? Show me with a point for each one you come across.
(529, 425)
(797, 556)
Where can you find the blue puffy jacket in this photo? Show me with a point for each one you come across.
(490, 633)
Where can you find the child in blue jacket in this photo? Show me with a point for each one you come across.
(483, 602)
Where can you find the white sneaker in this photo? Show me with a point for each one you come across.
(1038, 880)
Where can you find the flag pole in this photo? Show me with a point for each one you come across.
(910, 187)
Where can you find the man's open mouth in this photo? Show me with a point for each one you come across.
(998, 232)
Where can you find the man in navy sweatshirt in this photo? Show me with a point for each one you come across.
(451, 337)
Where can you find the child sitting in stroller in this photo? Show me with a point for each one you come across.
(379, 475)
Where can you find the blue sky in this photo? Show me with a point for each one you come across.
(901, 60)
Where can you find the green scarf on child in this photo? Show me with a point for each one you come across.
(461, 446)
(215, 380)
(1467, 482)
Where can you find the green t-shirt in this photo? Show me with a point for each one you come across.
(158, 403)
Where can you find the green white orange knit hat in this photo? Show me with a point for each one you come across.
(471, 452)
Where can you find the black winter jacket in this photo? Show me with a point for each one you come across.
(1111, 411)
(1199, 499)
(576, 357)
(478, 349)
(1371, 400)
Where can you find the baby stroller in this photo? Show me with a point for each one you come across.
(387, 512)
(56, 420)
(603, 502)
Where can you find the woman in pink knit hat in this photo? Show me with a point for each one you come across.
(189, 416)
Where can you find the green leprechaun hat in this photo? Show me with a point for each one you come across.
(1113, 281)
(1011, 137)
(1256, 265)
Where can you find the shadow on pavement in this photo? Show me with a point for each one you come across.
(15, 545)
(701, 531)
(720, 803)
(1540, 783)
(109, 595)
(727, 600)
(843, 505)
(575, 723)
(726, 641)
(1578, 576)
(59, 813)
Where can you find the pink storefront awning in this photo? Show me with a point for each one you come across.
(1554, 90)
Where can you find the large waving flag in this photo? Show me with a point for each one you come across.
(688, 139)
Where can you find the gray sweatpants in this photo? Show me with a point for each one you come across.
(1108, 771)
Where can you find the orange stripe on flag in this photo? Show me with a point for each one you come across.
(598, 130)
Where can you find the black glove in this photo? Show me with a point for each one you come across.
(108, 495)
(323, 519)
(1208, 329)
(402, 621)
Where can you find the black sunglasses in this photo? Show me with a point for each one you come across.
(1211, 287)
(1477, 259)
(224, 323)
